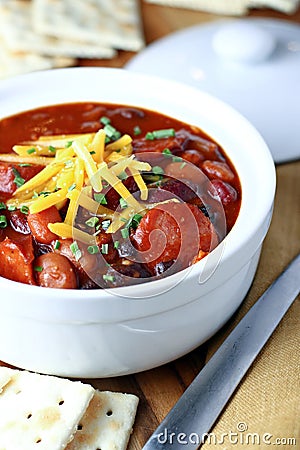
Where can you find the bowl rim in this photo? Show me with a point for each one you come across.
(58, 78)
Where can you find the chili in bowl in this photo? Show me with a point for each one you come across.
(124, 219)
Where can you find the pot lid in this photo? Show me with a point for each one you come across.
(252, 64)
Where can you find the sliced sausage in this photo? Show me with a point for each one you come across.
(16, 256)
(38, 224)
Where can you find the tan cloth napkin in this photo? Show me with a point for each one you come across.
(264, 412)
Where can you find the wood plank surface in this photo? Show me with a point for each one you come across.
(159, 389)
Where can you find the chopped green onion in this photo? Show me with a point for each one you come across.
(68, 144)
(107, 140)
(92, 152)
(176, 159)
(105, 224)
(182, 165)
(19, 181)
(2, 205)
(104, 249)
(35, 195)
(52, 149)
(73, 186)
(3, 221)
(123, 176)
(160, 134)
(149, 136)
(38, 268)
(167, 152)
(11, 207)
(24, 209)
(31, 150)
(116, 244)
(137, 130)
(125, 233)
(111, 132)
(158, 170)
(105, 120)
(92, 222)
(108, 278)
(136, 220)
(24, 165)
(123, 203)
(93, 249)
(75, 250)
(100, 198)
(57, 245)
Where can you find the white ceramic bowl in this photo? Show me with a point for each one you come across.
(101, 333)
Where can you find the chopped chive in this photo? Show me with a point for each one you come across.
(19, 181)
(11, 207)
(116, 244)
(137, 130)
(104, 249)
(109, 130)
(24, 209)
(24, 165)
(108, 278)
(38, 268)
(105, 224)
(125, 233)
(92, 152)
(136, 220)
(149, 136)
(31, 150)
(93, 249)
(123, 176)
(2, 205)
(167, 151)
(100, 198)
(3, 221)
(92, 222)
(75, 250)
(52, 149)
(68, 144)
(123, 203)
(105, 120)
(176, 159)
(57, 245)
(158, 170)
(160, 134)
(182, 165)
(35, 195)
(73, 186)
(116, 135)
(107, 140)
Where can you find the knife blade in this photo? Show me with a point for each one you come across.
(202, 402)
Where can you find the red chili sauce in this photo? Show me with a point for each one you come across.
(31, 254)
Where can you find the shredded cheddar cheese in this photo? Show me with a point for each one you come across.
(76, 166)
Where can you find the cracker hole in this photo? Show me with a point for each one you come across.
(109, 413)
(38, 441)
(61, 402)
(79, 427)
(29, 416)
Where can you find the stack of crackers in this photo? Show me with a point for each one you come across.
(49, 413)
(41, 34)
(232, 7)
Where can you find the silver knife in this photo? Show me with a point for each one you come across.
(196, 411)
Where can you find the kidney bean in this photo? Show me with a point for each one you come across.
(217, 169)
(225, 191)
(55, 271)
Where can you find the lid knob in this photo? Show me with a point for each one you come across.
(243, 42)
